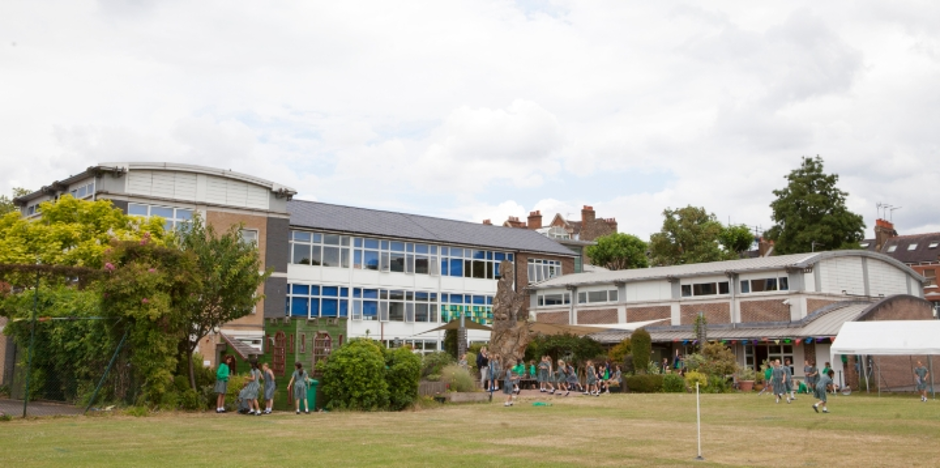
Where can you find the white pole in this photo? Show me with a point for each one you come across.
(698, 422)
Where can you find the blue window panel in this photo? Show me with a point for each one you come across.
(410, 247)
(370, 293)
(331, 291)
(357, 292)
(444, 269)
(370, 259)
(165, 213)
(456, 253)
(317, 238)
(344, 308)
(489, 255)
(496, 270)
(456, 299)
(444, 297)
(344, 292)
(372, 244)
(489, 300)
(298, 306)
(445, 251)
(433, 297)
(384, 245)
(479, 254)
(301, 236)
(330, 308)
(357, 242)
(500, 256)
(357, 258)
(468, 299)
(397, 246)
(456, 267)
(421, 248)
(314, 307)
(433, 250)
(314, 290)
(370, 308)
(421, 296)
(300, 289)
(509, 257)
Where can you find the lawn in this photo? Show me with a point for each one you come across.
(614, 430)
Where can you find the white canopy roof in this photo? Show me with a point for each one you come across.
(889, 337)
(629, 326)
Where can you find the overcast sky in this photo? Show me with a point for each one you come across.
(484, 109)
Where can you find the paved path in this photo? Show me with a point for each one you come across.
(37, 408)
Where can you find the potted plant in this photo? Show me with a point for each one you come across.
(746, 377)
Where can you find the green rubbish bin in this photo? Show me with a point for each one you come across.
(312, 385)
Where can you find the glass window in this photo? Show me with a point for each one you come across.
(597, 296)
(301, 254)
(302, 236)
(745, 287)
(686, 290)
(248, 236)
(723, 287)
(892, 248)
(784, 284)
(933, 245)
(912, 247)
(163, 212)
(137, 210)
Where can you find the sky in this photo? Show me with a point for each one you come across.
(485, 109)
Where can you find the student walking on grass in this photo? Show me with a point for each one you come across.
(811, 373)
(572, 376)
(591, 388)
(920, 377)
(778, 378)
(269, 387)
(821, 392)
(561, 378)
(788, 383)
(221, 383)
(510, 380)
(494, 373)
(252, 389)
(298, 382)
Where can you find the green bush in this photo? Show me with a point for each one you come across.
(402, 377)
(620, 351)
(472, 363)
(458, 379)
(718, 384)
(433, 363)
(642, 346)
(354, 377)
(692, 377)
(650, 383)
(673, 383)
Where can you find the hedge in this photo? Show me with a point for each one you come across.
(649, 383)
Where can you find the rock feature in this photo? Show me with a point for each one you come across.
(510, 334)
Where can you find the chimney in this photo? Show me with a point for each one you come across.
(587, 215)
(764, 247)
(612, 222)
(535, 220)
(487, 222)
(884, 230)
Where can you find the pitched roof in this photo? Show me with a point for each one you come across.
(914, 248)
(338, 218)
(802, 260)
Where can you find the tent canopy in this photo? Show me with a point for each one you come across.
(455, 325)
(581, 330)
(889, 337)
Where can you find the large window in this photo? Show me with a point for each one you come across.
(475, 307)
(83, 191)
(306, 300)
(588, 297)
(541, 269)
(391, 305)
(765, 284)
(931, 276)
(755, 355)
(312, 248)
(173, 217)
(554, 299)
(418, 346)
(469, 263)
(705, 289)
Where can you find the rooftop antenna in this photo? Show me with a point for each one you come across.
(891, 212)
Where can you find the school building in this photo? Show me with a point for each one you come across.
(778, 307)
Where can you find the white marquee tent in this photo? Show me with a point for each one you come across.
(888, 337)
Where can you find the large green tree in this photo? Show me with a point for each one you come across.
(618, 251)
(810, 213)
(230, 276)
(688, 235)
(6, 203)
(736, 238)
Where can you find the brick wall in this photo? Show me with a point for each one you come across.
(715, 312)
(553, 317)
(222, 222)
(522, 271)
(900, 308)
(594, 317)
(593, 229)
(812, 305)
(764, 311)
(642, 314)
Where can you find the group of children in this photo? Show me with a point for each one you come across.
(551, 379)
(779, 378)
(248, 401)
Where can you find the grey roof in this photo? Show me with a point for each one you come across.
(338, 218)
(800, 261)
(824, 323)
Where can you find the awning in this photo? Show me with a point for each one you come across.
(561, 329)
(888, 337)
(455, 325)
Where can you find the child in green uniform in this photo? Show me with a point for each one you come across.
(767, 375)
(822, 386)
(920, 377)
(221, 383)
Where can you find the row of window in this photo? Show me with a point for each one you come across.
(334, 250)
(765, 284)
(609, 295)
(173, 217)
(687, 290)
(83, 191)
(892, 248)
(386, 305)
(542, 269)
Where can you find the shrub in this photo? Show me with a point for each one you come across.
(650, 383)
(642, 346)
(450, 343)
(718, 384)
(433, 363)
(402, 376)
(620, 351)
(472, 363)
(692, 377)
(628, 367)
(458, 379)
(673, 383)
(354, 377)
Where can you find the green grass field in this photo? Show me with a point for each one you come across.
(614, 430)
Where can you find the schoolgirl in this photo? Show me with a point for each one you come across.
(541, 375)
(252, 389)
(269, 387)
(510, 381)
(298, 382)
(494, 373)
(572, 376)
(591, 372)
(561, 378)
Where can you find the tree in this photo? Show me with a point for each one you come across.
(6, 203)
(736, 238)
(618, 251)
(810, 213)
(688, 235)
(230, 275)
(642, 346)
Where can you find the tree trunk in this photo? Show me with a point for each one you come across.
(192, 370)
(510, 335)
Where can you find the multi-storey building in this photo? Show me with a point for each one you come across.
(921, 252)
(788, 306)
